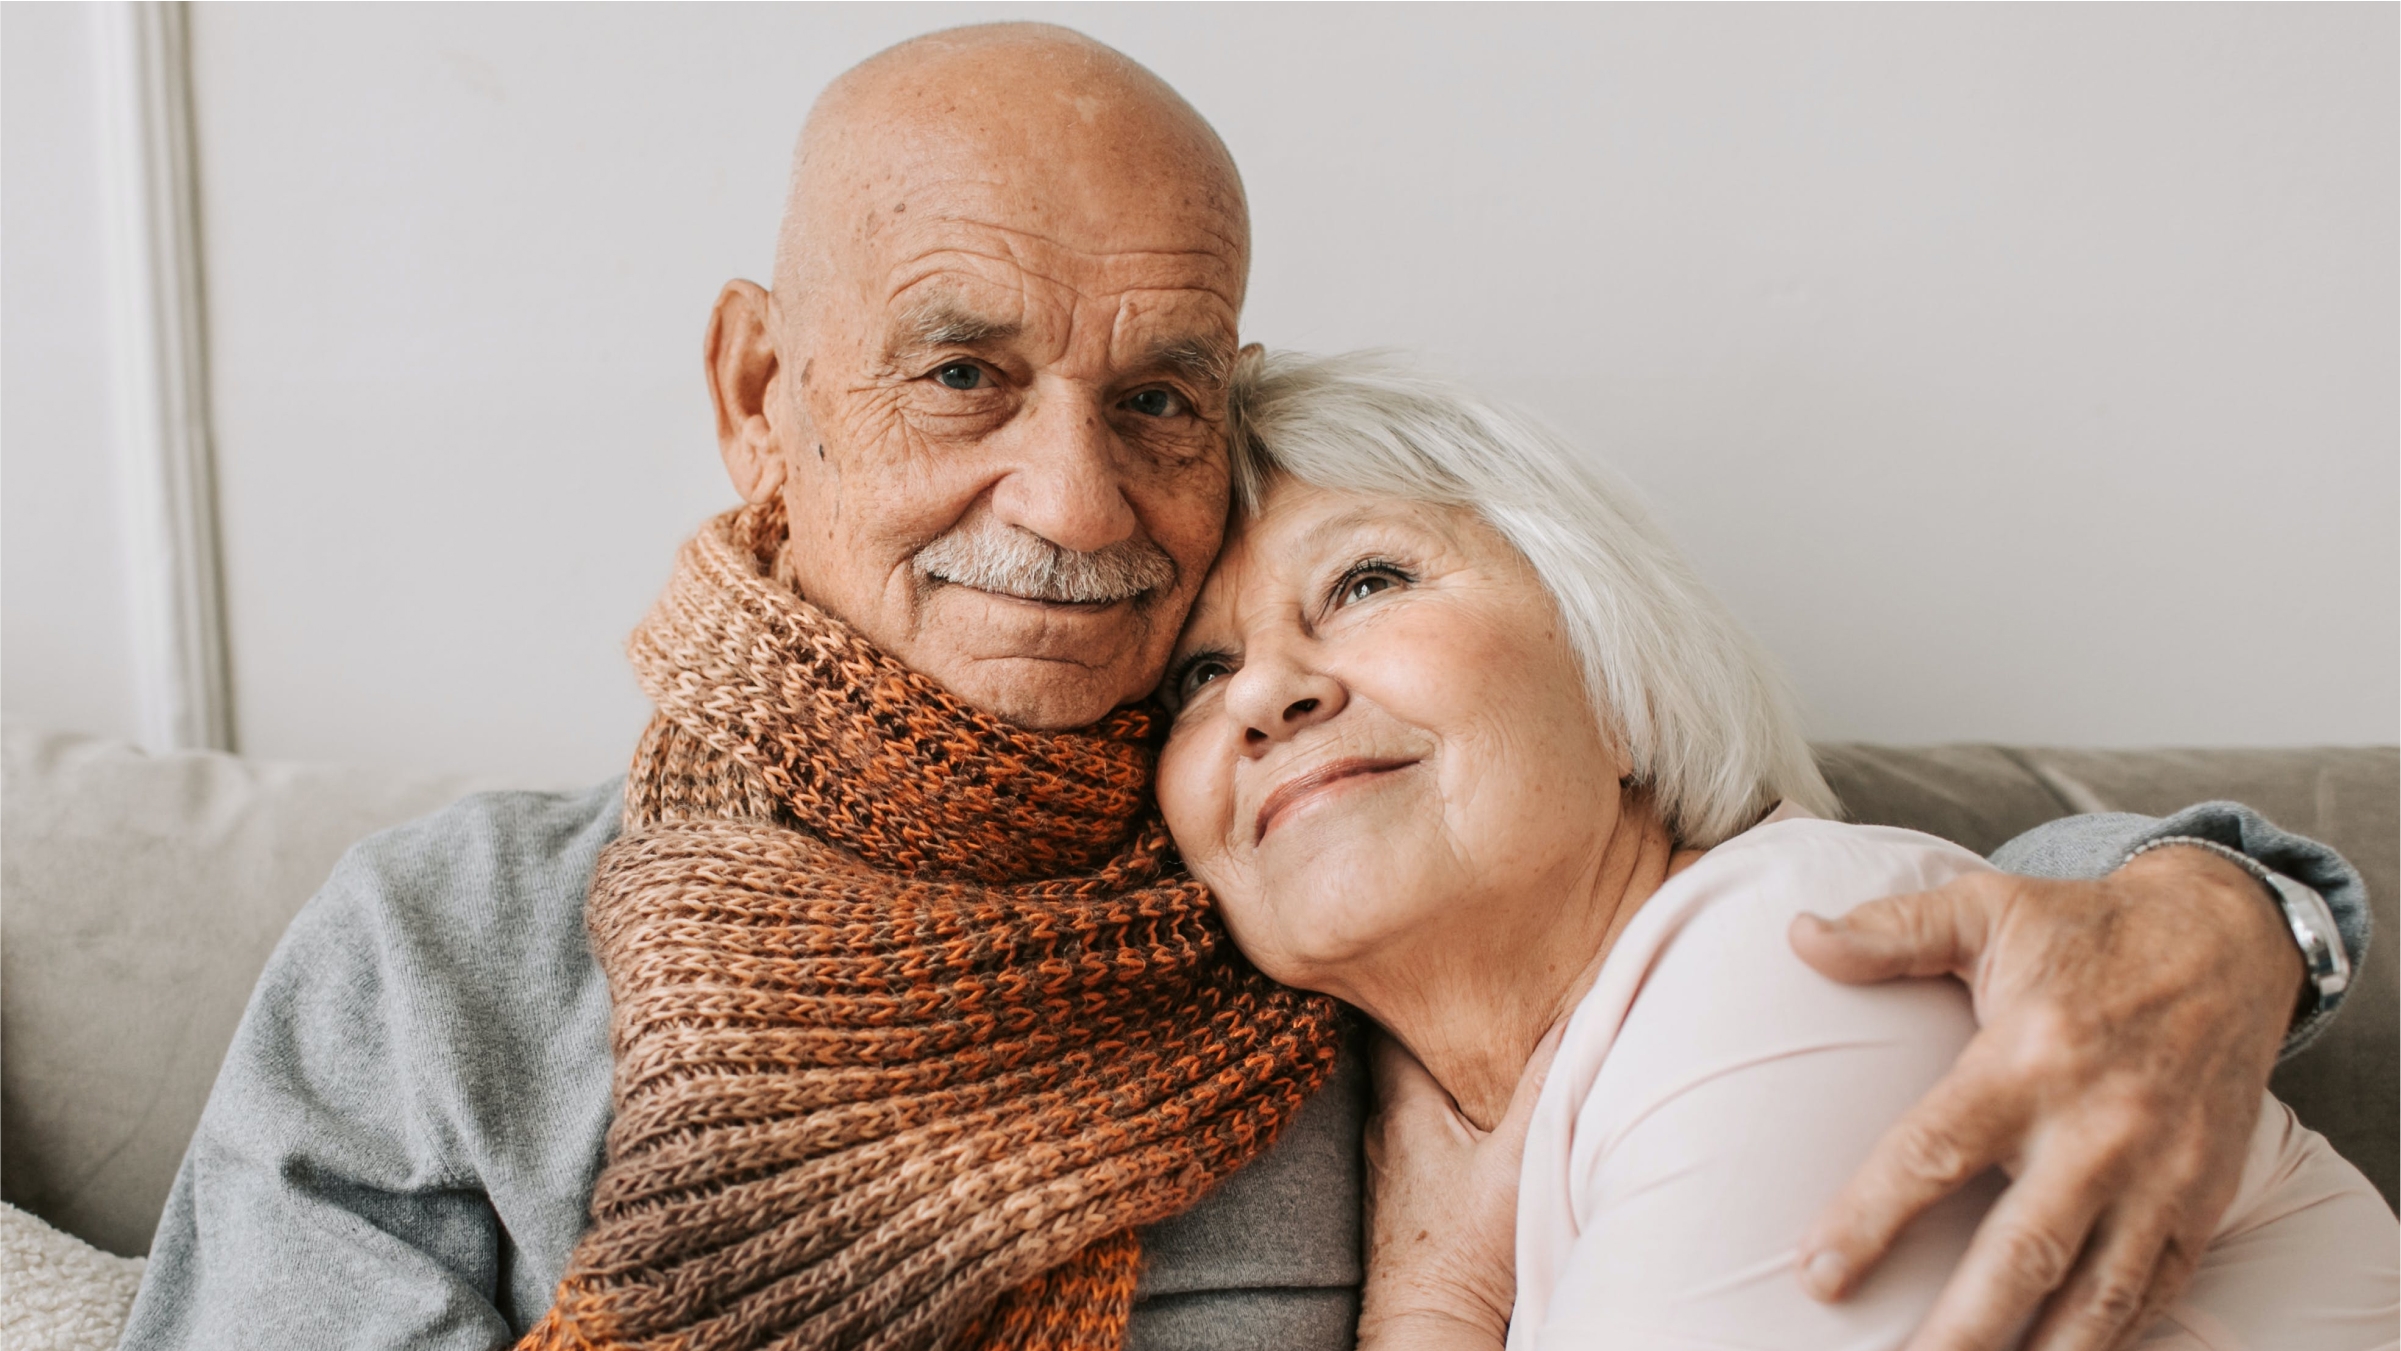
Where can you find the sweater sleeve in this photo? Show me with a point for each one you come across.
(399, 1145)
(2093, 845)
(321, 1201)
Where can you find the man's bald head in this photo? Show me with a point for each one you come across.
(990, 385)
(1036, 114)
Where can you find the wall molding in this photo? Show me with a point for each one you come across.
(165, 483)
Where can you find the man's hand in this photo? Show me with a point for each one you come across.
(1441, 1209)
(2129, 1026)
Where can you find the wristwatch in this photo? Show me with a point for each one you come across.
(2306, 913)
(2321, 943)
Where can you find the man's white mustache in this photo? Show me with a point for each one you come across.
(991, 556)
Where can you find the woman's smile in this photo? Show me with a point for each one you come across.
(1321, 784)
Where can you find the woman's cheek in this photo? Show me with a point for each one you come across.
(1257, 930)
(1190, 799)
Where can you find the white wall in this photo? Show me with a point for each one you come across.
(2022, 373)
(65, 631)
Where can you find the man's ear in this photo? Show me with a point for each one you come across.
(1247, 360)
(742, 368)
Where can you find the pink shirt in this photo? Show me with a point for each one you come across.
(1711, 1093)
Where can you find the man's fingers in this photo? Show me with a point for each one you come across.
(2024, 1250)
(1397, 1075)
(1956, 1132)
(1923, 933)
(2168, 1279)
(1507, 1142)
(1410, 1102)
(2110, 1297)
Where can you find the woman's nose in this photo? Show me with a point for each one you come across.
(1277, 698)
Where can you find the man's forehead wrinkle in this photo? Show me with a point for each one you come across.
(1082, 197)
(979, 236)
(1032, 288)
(1089, 218)
(1201, 324)
(1015, 272)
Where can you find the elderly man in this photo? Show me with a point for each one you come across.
(871, 1008)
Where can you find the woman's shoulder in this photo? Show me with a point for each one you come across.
(1736, 899)
(1827, 861)
(1705, 976)
(1706, 971)
(1709, 1062)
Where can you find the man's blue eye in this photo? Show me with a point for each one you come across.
(960, 375)
(1152, 403)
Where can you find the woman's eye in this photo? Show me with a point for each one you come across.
(1360, 585)
(1198, 673)
(960, 375)
(1154, 403)
(1363, 587)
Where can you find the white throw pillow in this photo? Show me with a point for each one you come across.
(57, 1292)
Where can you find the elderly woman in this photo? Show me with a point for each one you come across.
(1459, 739)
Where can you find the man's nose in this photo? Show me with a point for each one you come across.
(1066, 482)
(1277, 695)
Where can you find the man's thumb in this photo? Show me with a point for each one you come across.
(1922, 933)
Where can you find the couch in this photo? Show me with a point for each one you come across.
(140, 896)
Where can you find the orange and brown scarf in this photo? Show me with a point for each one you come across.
(915, 1015)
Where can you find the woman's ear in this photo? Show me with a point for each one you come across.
(743, 371)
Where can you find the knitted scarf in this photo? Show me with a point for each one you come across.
(915, 1014)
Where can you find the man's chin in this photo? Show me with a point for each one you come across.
(1040, 693)
(1048, 667)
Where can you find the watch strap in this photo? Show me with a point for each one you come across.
(2306, 915)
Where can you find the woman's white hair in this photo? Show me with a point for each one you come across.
(1698, 707)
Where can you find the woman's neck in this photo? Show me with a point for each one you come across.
(1473, 1011)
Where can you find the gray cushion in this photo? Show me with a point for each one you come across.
(2344, 1085)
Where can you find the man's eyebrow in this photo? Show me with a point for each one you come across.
(1206, 361)
(945, 323)
(942, 323)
